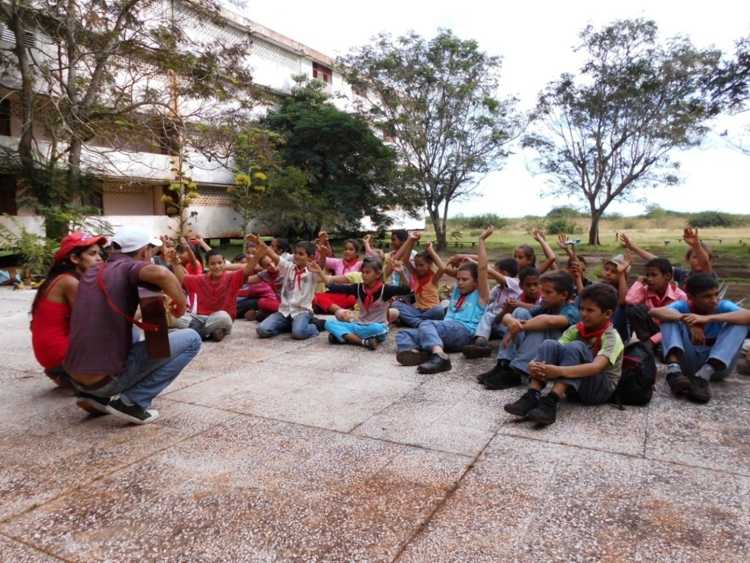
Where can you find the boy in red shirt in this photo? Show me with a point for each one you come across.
(213, 295)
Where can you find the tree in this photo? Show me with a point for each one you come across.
(613, 129)
(350, 172)
(101, 74)
(437, 101)
(731, 87)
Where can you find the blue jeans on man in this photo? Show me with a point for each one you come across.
(299, 325)
(592, 390)
(725, 349)
(410, 316)
(525, 345)
(450, 335)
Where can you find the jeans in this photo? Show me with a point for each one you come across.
(450, 335)
(488, 328)
(726, 349)
(410, 316)
(524, 347)
(620, 322)
(339, 329)
(277, 323)
(592, 390)
(144, 378)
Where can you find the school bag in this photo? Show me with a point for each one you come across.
(636, 385)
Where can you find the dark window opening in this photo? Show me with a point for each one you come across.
(322, 73)
(5, 110)
(8, 194)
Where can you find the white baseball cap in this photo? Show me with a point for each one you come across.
(130, 239)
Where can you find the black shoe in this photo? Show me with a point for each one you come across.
(502, 379)
(522, 406)
(435, 364)
(480, 348)
(371, 343)
(333, 340)
(545, 412)
(92, 404)
(699, 390)
(218, 335)
(320, 324)
(412, 357)
(500, 365)
(678, 383)
(132, 413)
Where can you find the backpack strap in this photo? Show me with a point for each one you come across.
(145, 326)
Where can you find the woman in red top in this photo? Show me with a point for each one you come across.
(50, 312)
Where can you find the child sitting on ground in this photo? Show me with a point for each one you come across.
(525, 256)
(350, 262)
(188, 259)
(656, 289)
(259, 297)
(527, 329)
(371, 329)
(531, 291)
(295, 312)
(425, 284)
(702, 337)
(426, 345)
(615, 273)
(213, 295)
(491, 325)
(586, 361)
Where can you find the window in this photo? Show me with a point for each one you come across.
(8, 194)
(5, 118)
(322, 73)
(8, 37)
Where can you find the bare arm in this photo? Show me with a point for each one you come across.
(690, 236)
(437, 261)
(666, 314)
(543, 322)
(543, 372)
(262, 248)
(628, 244)
(740, 317)
(170, 255)
(497, 276)
(169, 283)
(404, 252)
(327, 280)
(547, 249)
(484, 286)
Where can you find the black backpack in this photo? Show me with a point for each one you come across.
(636, 385)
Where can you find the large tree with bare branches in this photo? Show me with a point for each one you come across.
(615, 126)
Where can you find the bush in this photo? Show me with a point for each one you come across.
(711, 219)
(558, 226)
(484, 220)
(564, 212)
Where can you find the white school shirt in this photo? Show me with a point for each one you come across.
(296, 300)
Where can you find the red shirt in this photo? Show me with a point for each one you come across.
(216, 294)
(193, 268)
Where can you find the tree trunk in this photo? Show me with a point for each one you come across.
(596, 215)
(440, 235)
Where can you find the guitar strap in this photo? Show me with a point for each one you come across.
(145, 326)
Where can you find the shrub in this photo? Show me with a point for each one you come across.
(711, 219)
(564, 212)
(484, 220)
(558, 226)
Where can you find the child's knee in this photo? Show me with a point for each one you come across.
(263, 332)
(521, 314)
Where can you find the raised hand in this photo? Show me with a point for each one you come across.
(415, 235)
(170, 255)
(314, 267)
(487, 233)
(625, 241)
(691, 238)
(538, 235)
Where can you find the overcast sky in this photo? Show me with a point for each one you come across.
(535, 40)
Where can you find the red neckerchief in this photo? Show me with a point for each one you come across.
(370, 294)
(298, 273)
(460, 301)
(524, 299)
(423, 282)
(596, 334)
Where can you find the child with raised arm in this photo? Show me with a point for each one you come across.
(295, 312)
(426, 345)
(525, 256)
(425, 284)
(350, 262)
(615, 273)
(371, 329)
(531, 291)
(527, 329)
(214, 294)
(702, 337)
(491, 326)
(586, 361)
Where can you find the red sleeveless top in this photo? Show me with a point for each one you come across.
(50, 329)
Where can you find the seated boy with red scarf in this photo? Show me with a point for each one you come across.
(586, 361)
(424, 280)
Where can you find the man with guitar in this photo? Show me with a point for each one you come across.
(111, 373)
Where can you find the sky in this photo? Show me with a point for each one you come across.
(536, 40)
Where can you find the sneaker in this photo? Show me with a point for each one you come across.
(320, 324)
(333, 340)
(92, 404)
(699, 390)
(522, 406)
(218, 335)
(435, 364)
(412, 357)
(678, 383)
(502, 379)
(480, 348)
(251, 315)
(743, 366)
(132, 413)
(371, 343)
(545, 412)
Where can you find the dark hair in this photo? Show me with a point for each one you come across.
(698, 283)
(400, 234)
(180, 248)
(578, 258)
(65, 266)
(508, 265)
(602, 294)
(118, 248)
(239, 258)
(661, 264)
(213, 252)
(528, 252)
(307, 246)
(354, 243)
(372, 262)
(527, 272)
(561, 280)
(283, 244)
(424, 255)
(470, 267)
(704, 247)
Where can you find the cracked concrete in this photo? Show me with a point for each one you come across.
(277, 450)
